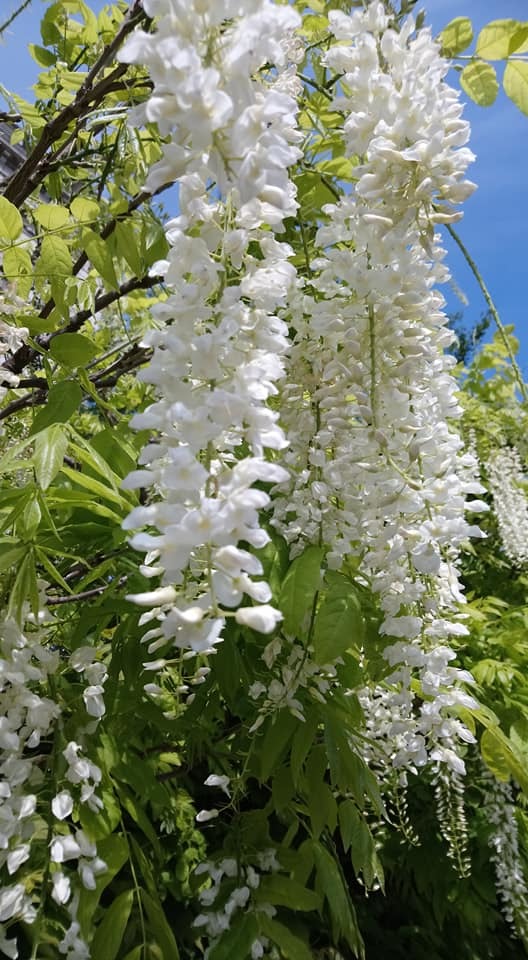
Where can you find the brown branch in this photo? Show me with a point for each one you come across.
(28, 177)
(85, 595)
(100, 302)
(131, 360)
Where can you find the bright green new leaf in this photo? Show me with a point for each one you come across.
(479, 81)
(498, 39)
(50, 447)
(300, 586)
(290, 945)
(55, 259)
(85, 209)
(110, 932)
(51, 216)
(10, 220)
(516, 83)
(456, 37)
(63, 400)
(44, 58)
(72, 349)
(17, 267)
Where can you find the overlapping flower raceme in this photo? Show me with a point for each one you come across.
(499, 810)
(383, 475)
(506, 478)
(219, 348)
(29, 715)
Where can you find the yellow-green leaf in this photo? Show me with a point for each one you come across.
(10, 220)
(496, 39)
(84, 209)
(516, 83)
(55, 259)
(456, 36)
(479, 81)
(51, 216)
(17, 267)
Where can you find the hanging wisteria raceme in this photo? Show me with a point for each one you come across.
(31, 718)
(507, 480)
(378, 467)
(499, 811)
(222, 83)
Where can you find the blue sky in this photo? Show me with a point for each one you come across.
(495, 224)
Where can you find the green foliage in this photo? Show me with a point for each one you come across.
(499, 40)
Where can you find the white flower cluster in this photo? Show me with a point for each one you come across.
(499, 812)
(383, 475)
(11, 338)
(219, 349)
(293, 671)
(27, 716)
(242, 880)
(507, 481)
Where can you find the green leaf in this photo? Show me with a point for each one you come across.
(290, 945)
(23, 587)
(72, 349)
(17, 266)
(456, 36)
(498, 39)
(55, 259)
(479, 81)
(356, 835)
(275, 742)
(160, 928)
(499, 756)
(85, 209)
(44, 58)
(10, 220)
(114, 851)
(339, 625)
(9, 555)
(516, 83)
(95, 487)
(322, 808)
(127, 243)
(238, 940)
(63, 400)
(50, 447)
(300, 586)
(110, 932)
(282, 891)
(99, 254)
(51, 216)
(301, 745)
(333, 887)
